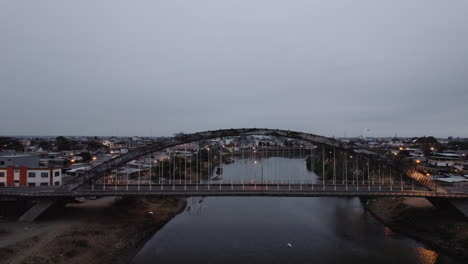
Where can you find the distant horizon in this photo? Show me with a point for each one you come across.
(150, 134)
(171, 135)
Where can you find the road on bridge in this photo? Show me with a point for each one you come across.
(338, 190)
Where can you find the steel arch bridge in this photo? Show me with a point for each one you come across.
(161, 144)
(79, 187)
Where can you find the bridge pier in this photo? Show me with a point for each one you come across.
(36, 210)
(25, 210)
(461, 205)
(13, 208)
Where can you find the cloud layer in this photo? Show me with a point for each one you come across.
(160, 67)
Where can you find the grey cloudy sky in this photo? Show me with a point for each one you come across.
(158, 67)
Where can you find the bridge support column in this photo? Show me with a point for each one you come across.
(461, 205)
(457, 205)
(36, 210)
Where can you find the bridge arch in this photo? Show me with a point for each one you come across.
(165, 143)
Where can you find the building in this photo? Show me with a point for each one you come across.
(27, 170)
(74, 171)
(445, 160)
(188, 148)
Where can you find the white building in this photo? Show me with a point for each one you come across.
(25, 170)
(445, 160)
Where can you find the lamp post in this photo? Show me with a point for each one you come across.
(262, 173)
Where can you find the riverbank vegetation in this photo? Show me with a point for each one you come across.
(332, 164)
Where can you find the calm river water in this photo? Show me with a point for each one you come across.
(279, 230)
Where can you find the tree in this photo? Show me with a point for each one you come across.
(404, 153)
(93, 145)
(10, 143)
(458, 145)
(44, 145)
(64, 143)
(86, 156)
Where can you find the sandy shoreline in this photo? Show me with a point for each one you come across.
(127, 255)
(441, 228)
(101, 231)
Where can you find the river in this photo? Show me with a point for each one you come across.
(279, 229)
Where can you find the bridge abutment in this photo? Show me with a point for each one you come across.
(12, 209)
(36, 210)
(461, 205)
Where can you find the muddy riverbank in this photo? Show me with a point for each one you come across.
(442, 228)
(91, 233)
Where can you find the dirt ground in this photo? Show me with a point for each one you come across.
(441, 227)
(107, 230)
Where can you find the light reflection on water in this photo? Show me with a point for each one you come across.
(279, 230)
(268, 170)
(427, 256)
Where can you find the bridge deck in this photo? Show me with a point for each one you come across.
(286, 190)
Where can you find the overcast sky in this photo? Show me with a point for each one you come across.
(145, 68)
